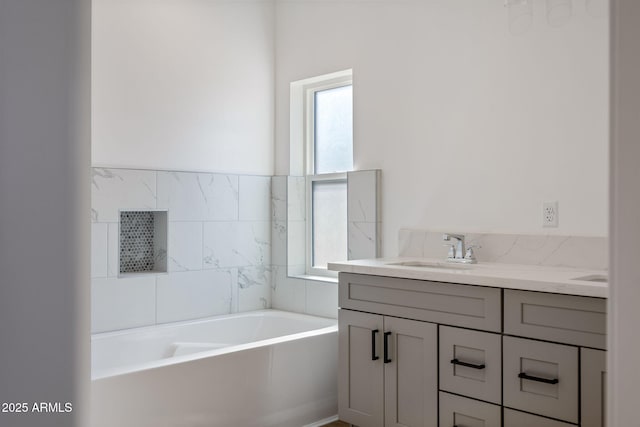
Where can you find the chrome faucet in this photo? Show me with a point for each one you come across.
(457, 252)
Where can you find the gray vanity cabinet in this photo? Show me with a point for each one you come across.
(505, 357)
(387, 371)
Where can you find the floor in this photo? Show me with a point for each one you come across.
(336, 424)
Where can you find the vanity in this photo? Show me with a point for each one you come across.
(423, 342)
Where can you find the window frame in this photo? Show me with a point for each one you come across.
(309, 163)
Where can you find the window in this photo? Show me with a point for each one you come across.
(328, 152)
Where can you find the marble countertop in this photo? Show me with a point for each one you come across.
(559, 280)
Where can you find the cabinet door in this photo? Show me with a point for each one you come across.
(360, 372)
(411, 373)
(593, 387)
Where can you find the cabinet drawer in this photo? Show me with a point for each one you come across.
(473, 307)
(520, 419)
(460, 411)
(471, 363)
(541, 378)
(561, 318)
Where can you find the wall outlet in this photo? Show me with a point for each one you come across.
(550, 214)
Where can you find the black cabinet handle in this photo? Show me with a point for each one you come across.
(468, 365)
(386, 347)
(538, 379)
(373, 345)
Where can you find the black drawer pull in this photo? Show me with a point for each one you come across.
(540, 380)
(386, 347)
(468, 365)
(373, 345)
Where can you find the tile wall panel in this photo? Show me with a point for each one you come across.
(99, 249)
(194, 294)
(198, 196)
(185, 246)
(255, 198)
(122, 303)
(126, 189)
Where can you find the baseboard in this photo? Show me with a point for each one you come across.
(323, 422)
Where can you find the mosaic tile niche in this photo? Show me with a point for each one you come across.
(143, 242)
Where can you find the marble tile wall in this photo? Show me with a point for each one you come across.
(364, 214)
(291, 293)
(291, 290)
(560, 251)
(295, 223)
(219, 246)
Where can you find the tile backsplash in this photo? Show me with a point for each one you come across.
(559, 251)
(218, 255)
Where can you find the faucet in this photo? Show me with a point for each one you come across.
(457, 252)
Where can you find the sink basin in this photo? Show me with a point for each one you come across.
(593, 278)
(427, 264)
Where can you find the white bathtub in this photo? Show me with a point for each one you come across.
(263, 368)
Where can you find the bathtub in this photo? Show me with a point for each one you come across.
(262, 368)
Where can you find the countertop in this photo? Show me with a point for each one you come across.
(559, 280)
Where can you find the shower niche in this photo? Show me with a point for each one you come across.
(142, 241)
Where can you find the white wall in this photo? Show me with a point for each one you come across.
(44, 200)
(473, 127)
(183, 85)
(624, 294)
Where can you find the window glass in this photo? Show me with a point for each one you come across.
(329, 222)
(333, 138)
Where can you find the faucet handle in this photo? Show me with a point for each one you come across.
(470, 255)
(452, 250)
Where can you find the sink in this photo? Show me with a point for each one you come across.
(593, 278)
(426, 264)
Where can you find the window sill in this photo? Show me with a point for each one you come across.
(315, 278)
